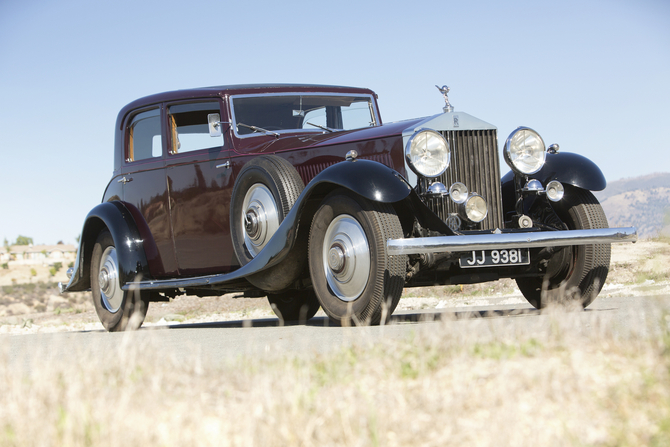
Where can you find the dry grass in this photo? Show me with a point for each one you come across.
(575, 378)
(571, 378)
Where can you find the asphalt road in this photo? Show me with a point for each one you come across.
(231, 339)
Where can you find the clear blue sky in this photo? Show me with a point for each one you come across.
(593, 76)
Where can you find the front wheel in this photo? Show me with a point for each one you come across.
(354, 277)
(118, 309)
(576, 273)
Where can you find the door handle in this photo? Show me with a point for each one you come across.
(125, 180)
(224, 165)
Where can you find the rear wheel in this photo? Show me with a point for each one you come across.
(352, 274)
(118, 309)
(294, 305)
(576, 273)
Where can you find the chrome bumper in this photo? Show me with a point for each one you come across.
(540, 239)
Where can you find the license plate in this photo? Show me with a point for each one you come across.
(493, 258)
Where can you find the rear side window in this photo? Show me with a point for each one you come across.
(188, 127)
(144, 139)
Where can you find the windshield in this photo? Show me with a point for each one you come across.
(293, 112)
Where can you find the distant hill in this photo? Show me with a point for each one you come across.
(643, 202)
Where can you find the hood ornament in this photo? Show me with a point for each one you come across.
(447, 106)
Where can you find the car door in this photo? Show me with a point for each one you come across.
(144, 188)
(199, 184)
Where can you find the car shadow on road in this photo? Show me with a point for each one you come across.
(405, 317)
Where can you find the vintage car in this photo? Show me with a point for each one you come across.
(301, 194)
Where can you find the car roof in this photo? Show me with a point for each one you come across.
(241, 89)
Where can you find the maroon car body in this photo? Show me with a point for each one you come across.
(180, 214)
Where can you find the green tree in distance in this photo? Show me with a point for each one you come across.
(23, 240)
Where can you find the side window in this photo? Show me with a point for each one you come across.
(188, 127)
(145, 136)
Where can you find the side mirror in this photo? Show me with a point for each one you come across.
(214, 124)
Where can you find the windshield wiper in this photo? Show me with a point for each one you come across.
(320, 127)
(259, 129)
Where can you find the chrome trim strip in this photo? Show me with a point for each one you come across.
(177, 283)
(449, 244)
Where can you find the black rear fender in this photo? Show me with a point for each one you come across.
(116, 218)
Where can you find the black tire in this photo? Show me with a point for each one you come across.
(577, 273)
(361, 285)
(117, 309)
(277, 186)
(294, 305)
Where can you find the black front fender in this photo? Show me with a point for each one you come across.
(568, 168)
(116, 218)
(367, 178)
(572, 169)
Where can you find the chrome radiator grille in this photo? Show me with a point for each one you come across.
(475, 163)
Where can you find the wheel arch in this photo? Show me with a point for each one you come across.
(566, 167)
(366, 178)
(117, 219)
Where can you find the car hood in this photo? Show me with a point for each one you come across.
(269, 144)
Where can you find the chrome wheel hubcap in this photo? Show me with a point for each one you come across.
(346, 257)
(260, 219)
(108, 281)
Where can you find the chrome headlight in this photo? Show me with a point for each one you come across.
(458, 192)
(474, 208)
(525, 151)
(555, 191)
(427, 153)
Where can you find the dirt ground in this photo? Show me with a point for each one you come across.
(30, 302)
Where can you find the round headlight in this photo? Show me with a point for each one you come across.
(474, 208)
(458, 192)
(555, 191)
(525, 151)
(427, 153)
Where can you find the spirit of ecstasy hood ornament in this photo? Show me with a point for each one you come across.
(447, 106)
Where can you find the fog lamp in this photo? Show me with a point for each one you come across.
(474, 208)
(555, 191)
(458, 192)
